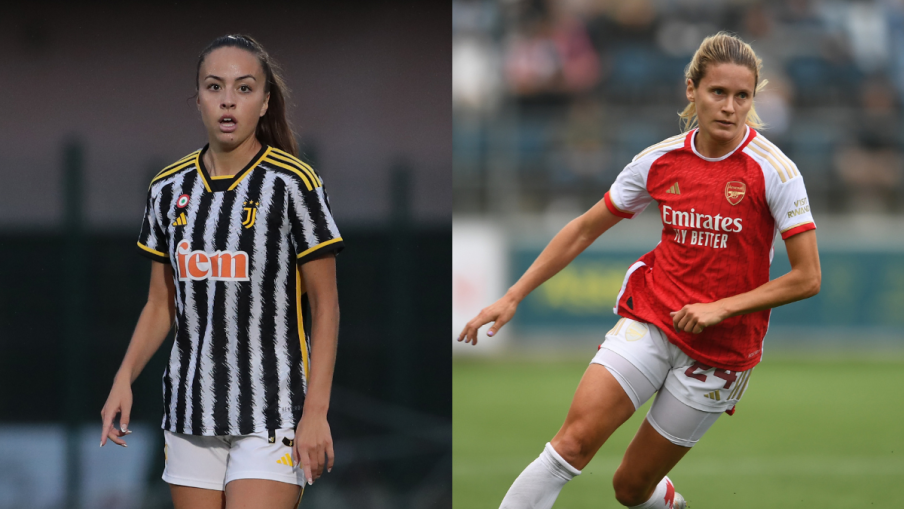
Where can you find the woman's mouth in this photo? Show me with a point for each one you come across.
(227, 124)
(725, 123)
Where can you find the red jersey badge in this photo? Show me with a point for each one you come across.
(734, 192)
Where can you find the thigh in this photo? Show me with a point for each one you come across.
(599, 407)
(257, 493)
(186, 497)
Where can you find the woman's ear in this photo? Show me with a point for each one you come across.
(266, 104)
(690, 90)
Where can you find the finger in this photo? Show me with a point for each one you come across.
(690, 325)
(124, 418)
(330, 456)
(107, 426)
(306, 464)
(677, 319)
(496, 326)
(698, 329)
(116, 440)
(317, 464)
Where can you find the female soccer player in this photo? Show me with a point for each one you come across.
(243, 244)
(695, 309)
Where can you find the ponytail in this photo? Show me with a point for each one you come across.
(273, 128)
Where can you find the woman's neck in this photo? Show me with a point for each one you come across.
(223, 161)
(707, 146)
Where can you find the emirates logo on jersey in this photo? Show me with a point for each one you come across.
(734, 192)
(216, 266)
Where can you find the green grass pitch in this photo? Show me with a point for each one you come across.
(825, 432)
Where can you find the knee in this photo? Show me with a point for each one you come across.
(630, 491)
(573, 449)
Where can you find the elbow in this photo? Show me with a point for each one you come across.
(813, 285)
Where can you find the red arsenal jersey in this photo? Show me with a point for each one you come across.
(719, 220)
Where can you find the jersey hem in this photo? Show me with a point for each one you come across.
(153, 254)
(614, 208)
(690, 352)
(798, 229)
(333, 245)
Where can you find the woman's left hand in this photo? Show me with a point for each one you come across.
(313, 440)
(696, 317)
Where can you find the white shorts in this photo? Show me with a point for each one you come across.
(211, 462)
(695, 394)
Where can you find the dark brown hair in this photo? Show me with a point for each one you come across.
(273, 128)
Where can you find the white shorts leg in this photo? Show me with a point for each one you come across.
(195, 461)
(677, 422)
(255, 457)
(691, 395)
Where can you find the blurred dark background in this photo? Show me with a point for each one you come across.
(100, 97)
(552, 98)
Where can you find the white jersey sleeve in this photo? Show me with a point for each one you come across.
(628, 195)
(785, 191)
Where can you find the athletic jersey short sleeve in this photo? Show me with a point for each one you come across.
(785, 191)
(241, 357)
(628, 195)
(720, 217)
(313, 231)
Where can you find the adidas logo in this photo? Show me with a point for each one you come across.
(181, 220)
(286, 460)
(674, 189)
(713, 395)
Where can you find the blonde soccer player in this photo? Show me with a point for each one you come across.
(695, 309)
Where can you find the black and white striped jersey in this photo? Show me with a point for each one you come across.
(241, 357)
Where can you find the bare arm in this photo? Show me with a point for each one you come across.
(571, 241)
(801, 282)
(313, 437)
(155, 322)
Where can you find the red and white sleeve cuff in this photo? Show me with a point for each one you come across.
(794, 230)
(614, 209)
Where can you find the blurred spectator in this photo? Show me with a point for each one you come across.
(592, 82)
(551, 56)
(872, 166)
(581, 152)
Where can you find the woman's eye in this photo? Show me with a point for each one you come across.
(245, 88)
(742, 95)
(213, 86)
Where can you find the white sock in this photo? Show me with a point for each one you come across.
(539, 484)
(663, 496)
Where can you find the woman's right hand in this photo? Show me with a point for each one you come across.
(499, 312)
(118, 402)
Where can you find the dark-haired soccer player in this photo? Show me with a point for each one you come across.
(696, 308)
(243, 247)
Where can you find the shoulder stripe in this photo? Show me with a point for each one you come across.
(180, 161)
(786, 162)
(176, 169)
(667, 143)
(271, 160)
(768, 158)
(285, 155)
(298, 163)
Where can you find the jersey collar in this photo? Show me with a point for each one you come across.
(227, 184)
(748, 135)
